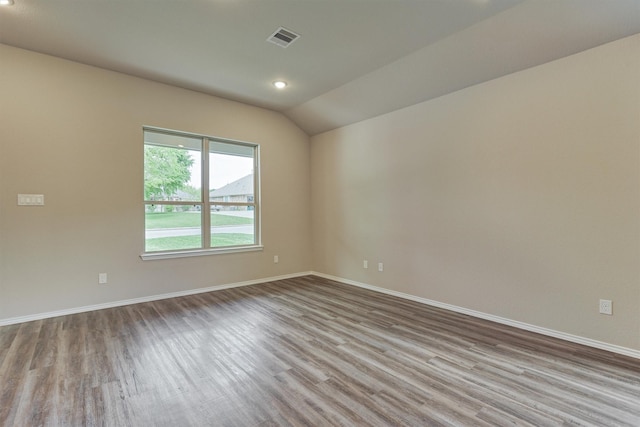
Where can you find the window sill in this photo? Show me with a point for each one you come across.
(198, 252)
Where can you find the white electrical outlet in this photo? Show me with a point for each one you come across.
(102, 278)
(276, 259)
(606, 307)
(365, 264)
(380, 267)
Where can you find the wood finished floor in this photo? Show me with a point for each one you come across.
(303, 351)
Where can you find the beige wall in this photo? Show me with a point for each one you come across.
(74, 134)
(518, 198)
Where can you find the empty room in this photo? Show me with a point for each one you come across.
(319, 213)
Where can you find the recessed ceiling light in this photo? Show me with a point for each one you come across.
(6, 2)
(280, 84)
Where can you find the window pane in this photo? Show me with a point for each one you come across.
(172, 167)
(221, 147)
(171, 140)
(231, 173)
(172, 227)
(232, 225)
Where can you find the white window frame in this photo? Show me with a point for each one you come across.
(205, 203)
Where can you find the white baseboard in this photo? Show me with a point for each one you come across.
(520, 325)
(39, 316)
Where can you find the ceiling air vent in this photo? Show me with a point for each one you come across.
(283, 37)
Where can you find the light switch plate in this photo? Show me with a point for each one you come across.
(30, 199)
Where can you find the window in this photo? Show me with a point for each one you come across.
(198, 204)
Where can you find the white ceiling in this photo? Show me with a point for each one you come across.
(355, 59)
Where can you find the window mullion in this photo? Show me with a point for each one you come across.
(206, 210)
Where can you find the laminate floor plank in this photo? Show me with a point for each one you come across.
(303, 352)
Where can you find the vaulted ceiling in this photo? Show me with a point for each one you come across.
(354, 59)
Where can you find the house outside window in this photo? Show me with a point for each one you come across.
(197, 204)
